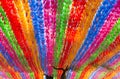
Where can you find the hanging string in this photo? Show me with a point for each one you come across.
(62, 17)
(50, 7)
(38, 23)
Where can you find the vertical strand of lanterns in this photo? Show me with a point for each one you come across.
(62, 18)
(63, 14)
(76, 12)
(50, 31)
(63, 9)
(31, 36)
(23, 42)
(38, 23)
(59, 11)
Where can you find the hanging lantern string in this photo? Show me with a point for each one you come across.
(62, 16)
(50, 7)
(38, 23)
